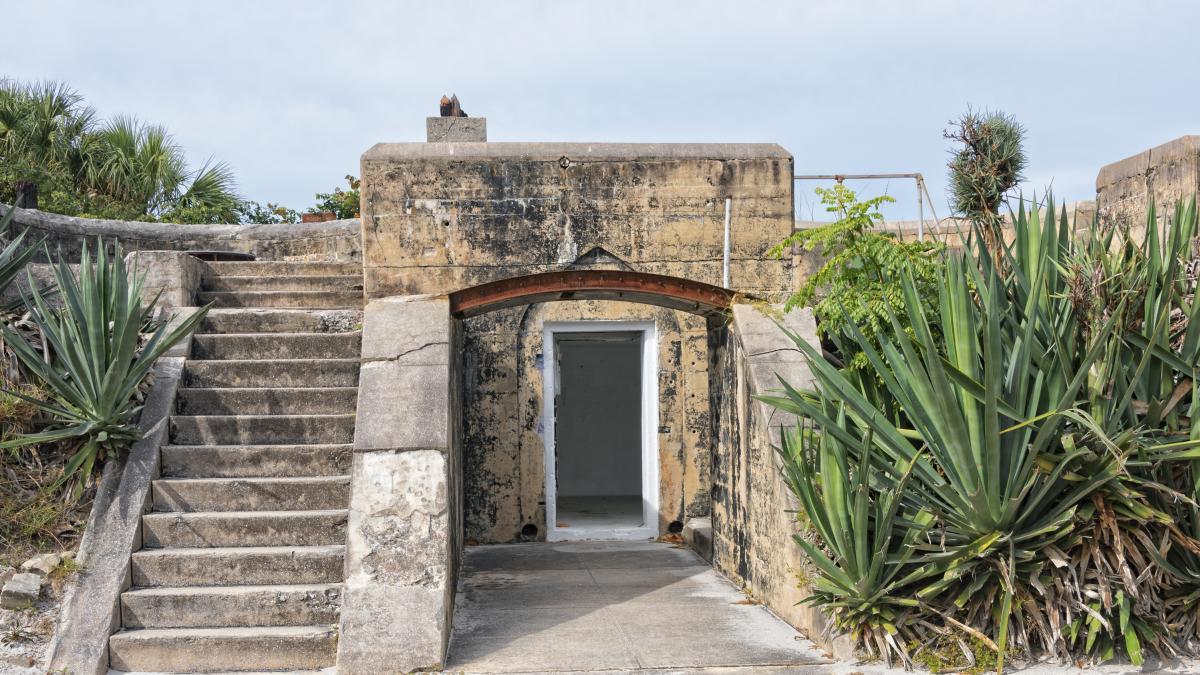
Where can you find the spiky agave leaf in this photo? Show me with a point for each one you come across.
(97, 360)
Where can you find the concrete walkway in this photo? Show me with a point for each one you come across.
(615, 606)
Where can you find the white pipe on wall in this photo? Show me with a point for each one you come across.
(725, 266)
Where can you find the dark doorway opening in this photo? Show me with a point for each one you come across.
(598, 429)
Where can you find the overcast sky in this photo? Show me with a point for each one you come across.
(291, 93)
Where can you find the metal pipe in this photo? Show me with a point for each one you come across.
(725, 267)
(920, 210)
(853, 176)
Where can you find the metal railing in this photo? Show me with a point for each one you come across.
(922, 192)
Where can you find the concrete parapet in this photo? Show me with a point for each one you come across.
(753, 513)
(404, 531)
(173, 277)
(439, 217)
(1164, 174)
(335, 240)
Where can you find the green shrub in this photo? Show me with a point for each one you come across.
(1050, 431)
(342, 203)
(859, 281)
(97, 358)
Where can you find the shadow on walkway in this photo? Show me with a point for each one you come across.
(585, 606)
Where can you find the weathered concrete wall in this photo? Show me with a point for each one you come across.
(504, 461)
(753, 513)
(440, 217)
(1165, 173)
(403, 534)
(91, 609)
(334, 240)
(170, 277)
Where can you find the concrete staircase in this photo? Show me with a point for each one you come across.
(242, 559)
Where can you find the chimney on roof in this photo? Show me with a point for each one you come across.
(453, 125)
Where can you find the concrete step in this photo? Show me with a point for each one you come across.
(258, 268)
(244, 528)
(219, 606)
(286, 299)
(250, 320)
(261, 429)
(255, 461)
(251, 494)
(267, 401)
(286, 373)
(198, 650)
(283, 283)
(238, 566)
(275, 346)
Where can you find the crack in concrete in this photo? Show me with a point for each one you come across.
(404, 353)
(772, 351)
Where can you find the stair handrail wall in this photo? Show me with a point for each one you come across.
(91, 608)
(328, 241)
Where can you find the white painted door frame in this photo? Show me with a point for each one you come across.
(649, 435)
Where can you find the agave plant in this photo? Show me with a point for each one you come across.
(1046, 442)
(13, 258)
(869, 534)
(97, 358)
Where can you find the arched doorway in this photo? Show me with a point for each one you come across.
(585, 404)
(405, 545)
(654, 289)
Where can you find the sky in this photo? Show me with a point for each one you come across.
(290, 94)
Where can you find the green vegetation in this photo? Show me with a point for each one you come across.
(342, 203)
(99, 360)
(75, 360)
(51, 141)
(984, 169)
(54, 145)
(1028, 474)
(859, 281)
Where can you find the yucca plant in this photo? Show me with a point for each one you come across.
(1000, 490)
(869, 537)
(1026, 429)
(13, 258)
(96, 358)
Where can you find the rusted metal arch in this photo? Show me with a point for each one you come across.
(651, 289)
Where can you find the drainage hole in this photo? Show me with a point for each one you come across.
(529, 532)
(675, 527)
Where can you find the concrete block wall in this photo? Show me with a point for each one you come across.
(439, 217)
(754, 515)
(1164, 174)
(330, 241)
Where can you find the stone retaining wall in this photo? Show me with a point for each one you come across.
(330, 241)
(1164, 173)
(754, 515)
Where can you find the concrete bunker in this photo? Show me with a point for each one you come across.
(478, 259)
(574, 316)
